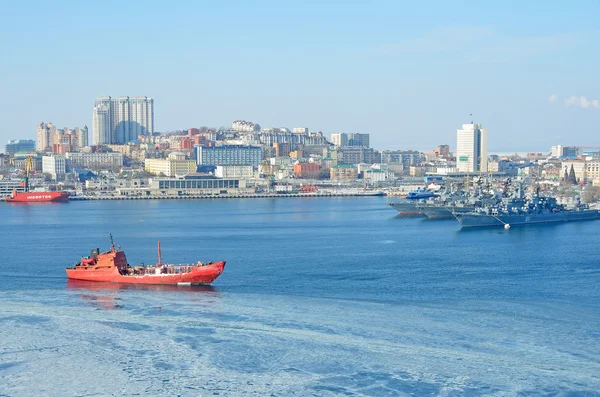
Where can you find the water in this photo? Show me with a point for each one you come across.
(319, 297)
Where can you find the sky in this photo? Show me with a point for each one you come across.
(408, 73)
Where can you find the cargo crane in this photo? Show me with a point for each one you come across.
(28, 169)
(268, 172)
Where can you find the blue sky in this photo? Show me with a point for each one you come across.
(408, 73)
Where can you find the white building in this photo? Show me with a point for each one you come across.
(122, 119)
(471, 148)
(174, 166)
(234, 171)
(95, 161)
(300, 130)
(339, 139)
(55, 166)
(244, 126)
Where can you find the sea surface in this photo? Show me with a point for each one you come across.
(320, 297)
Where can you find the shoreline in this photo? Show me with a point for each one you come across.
(228, 196)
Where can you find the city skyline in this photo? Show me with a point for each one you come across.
(405, 75)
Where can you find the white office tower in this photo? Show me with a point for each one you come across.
(471, 148)
(122, 119)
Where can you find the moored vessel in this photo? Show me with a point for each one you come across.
(37, 197)
(34, 196)
(519, 211)
(112, 266)
(409, 205)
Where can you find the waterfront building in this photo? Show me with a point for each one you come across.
(122, 119)
(229, 155)
(95, 161)
(8, 186)
(471, 148)
(44, 134)
(307, 170)
(376, 175)
(20, 145)
(234, 171)
(56, 166)
(345, 172)
(175, 165)
(197, 185)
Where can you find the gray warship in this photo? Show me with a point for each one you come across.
(520, 211)
(461, 200)
(408, 206)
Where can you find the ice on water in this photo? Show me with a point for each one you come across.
(196, 343)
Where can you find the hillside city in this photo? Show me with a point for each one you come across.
(127, 158)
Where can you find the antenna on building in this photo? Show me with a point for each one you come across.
(471, 114)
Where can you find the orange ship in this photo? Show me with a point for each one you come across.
(34, 197)
(112, 266)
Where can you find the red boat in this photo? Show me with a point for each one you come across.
(112, 266)
(34, 197)
(37, 197)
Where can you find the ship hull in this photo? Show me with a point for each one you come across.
(407, 208)
(436, 211)
(202, 275)
(38, 197)
(482, 220)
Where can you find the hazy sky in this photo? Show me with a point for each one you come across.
(408, 73)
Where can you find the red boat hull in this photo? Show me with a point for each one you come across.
(38, 197)
(197, 276)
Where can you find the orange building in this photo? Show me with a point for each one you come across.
(307, 170)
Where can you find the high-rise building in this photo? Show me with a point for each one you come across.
(122, 119)
(358, 140)
(471, 148)
(340, 139)
(81, 135)
(45, 132)
(343, 139)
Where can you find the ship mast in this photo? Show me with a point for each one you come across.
(159, 263)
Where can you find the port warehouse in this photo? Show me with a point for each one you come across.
(7, 187)
(190, 185)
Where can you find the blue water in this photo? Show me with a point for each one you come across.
(319, 297)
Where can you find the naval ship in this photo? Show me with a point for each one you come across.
(459, 200)
(408, 206)
(519, 211)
